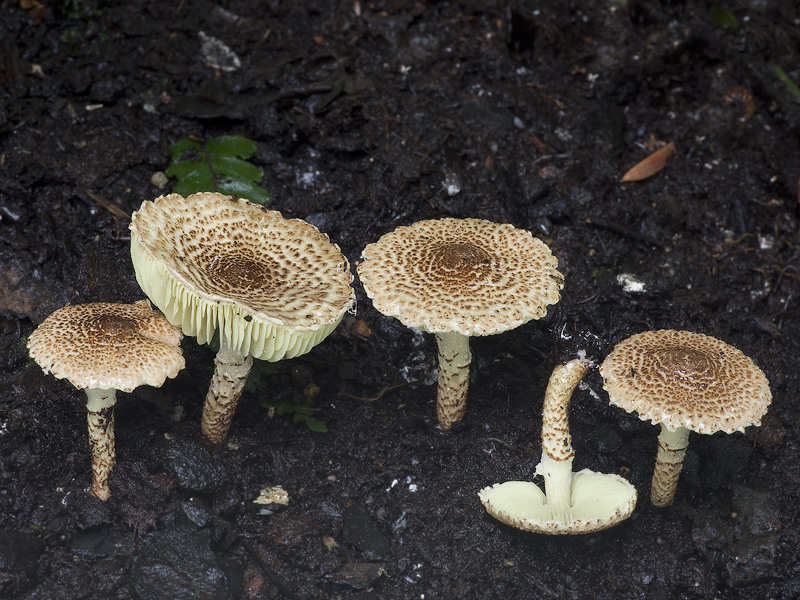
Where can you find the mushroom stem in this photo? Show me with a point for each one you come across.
(454, 359)
(100, 418)
(231, 369)
(669, 462)
(557, 453)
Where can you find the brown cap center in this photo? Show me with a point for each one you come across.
(114, 328)
(244, 271)
(689, 367)
(461, 260)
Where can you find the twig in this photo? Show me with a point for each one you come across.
(590, 298)
(381, 393)
(108, 205)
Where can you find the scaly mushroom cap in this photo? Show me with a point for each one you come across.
(685, 379)
(466, 275)
(274, 287)
(104, 345)
(598, 501)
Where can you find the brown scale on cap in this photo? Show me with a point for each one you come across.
(457, 278)
(683, 381)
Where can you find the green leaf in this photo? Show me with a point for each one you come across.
(315, 425)
(244, 189)
(192, 177)
(232, 145)
(300, 414)
(188, 169)
(181, 146)
(785, 80)
(284, 408)
(724, 18)
(219, 165)
(235, 168)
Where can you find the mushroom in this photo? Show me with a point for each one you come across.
(683, 381)
(102, 348)
(456, 278)
(274, 288)
(582, 502)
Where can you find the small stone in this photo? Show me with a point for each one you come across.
(159, 179)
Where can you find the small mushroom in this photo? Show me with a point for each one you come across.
(272, 287)
(683, 381)
(103, 348)
(457, 278)
(582, 502)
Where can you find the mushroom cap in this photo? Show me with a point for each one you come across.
(598, 501)
(685, 379)
(104, 345)
(274, 287)
(466, 275)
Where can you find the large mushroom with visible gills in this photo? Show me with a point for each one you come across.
(572, 503)
(685, 382)
(102, 348)
(273, 288)
(457, 278)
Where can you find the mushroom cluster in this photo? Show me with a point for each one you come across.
(273, 288)
(457, 278)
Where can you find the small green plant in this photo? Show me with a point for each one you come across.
(219, 165)
(302, 413)
(82, 10)
(786, 80)
(724, 18)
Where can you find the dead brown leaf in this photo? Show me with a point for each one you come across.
(650, 165)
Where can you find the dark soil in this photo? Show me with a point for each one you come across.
(369, 116)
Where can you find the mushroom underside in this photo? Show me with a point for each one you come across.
(597, 501)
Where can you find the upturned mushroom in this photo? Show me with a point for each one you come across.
(685, 382)
(103, 348)
(458, 278)
(272, 287)
(572, 503)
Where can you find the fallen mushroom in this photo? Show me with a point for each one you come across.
(457, 278)
(272, 287)
(582, 502)
(103, 348)
(683, 381)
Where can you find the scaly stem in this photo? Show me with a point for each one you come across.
(557, 454)
(669, 462)
(454, 359)
(231, 369)
(100, 418)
